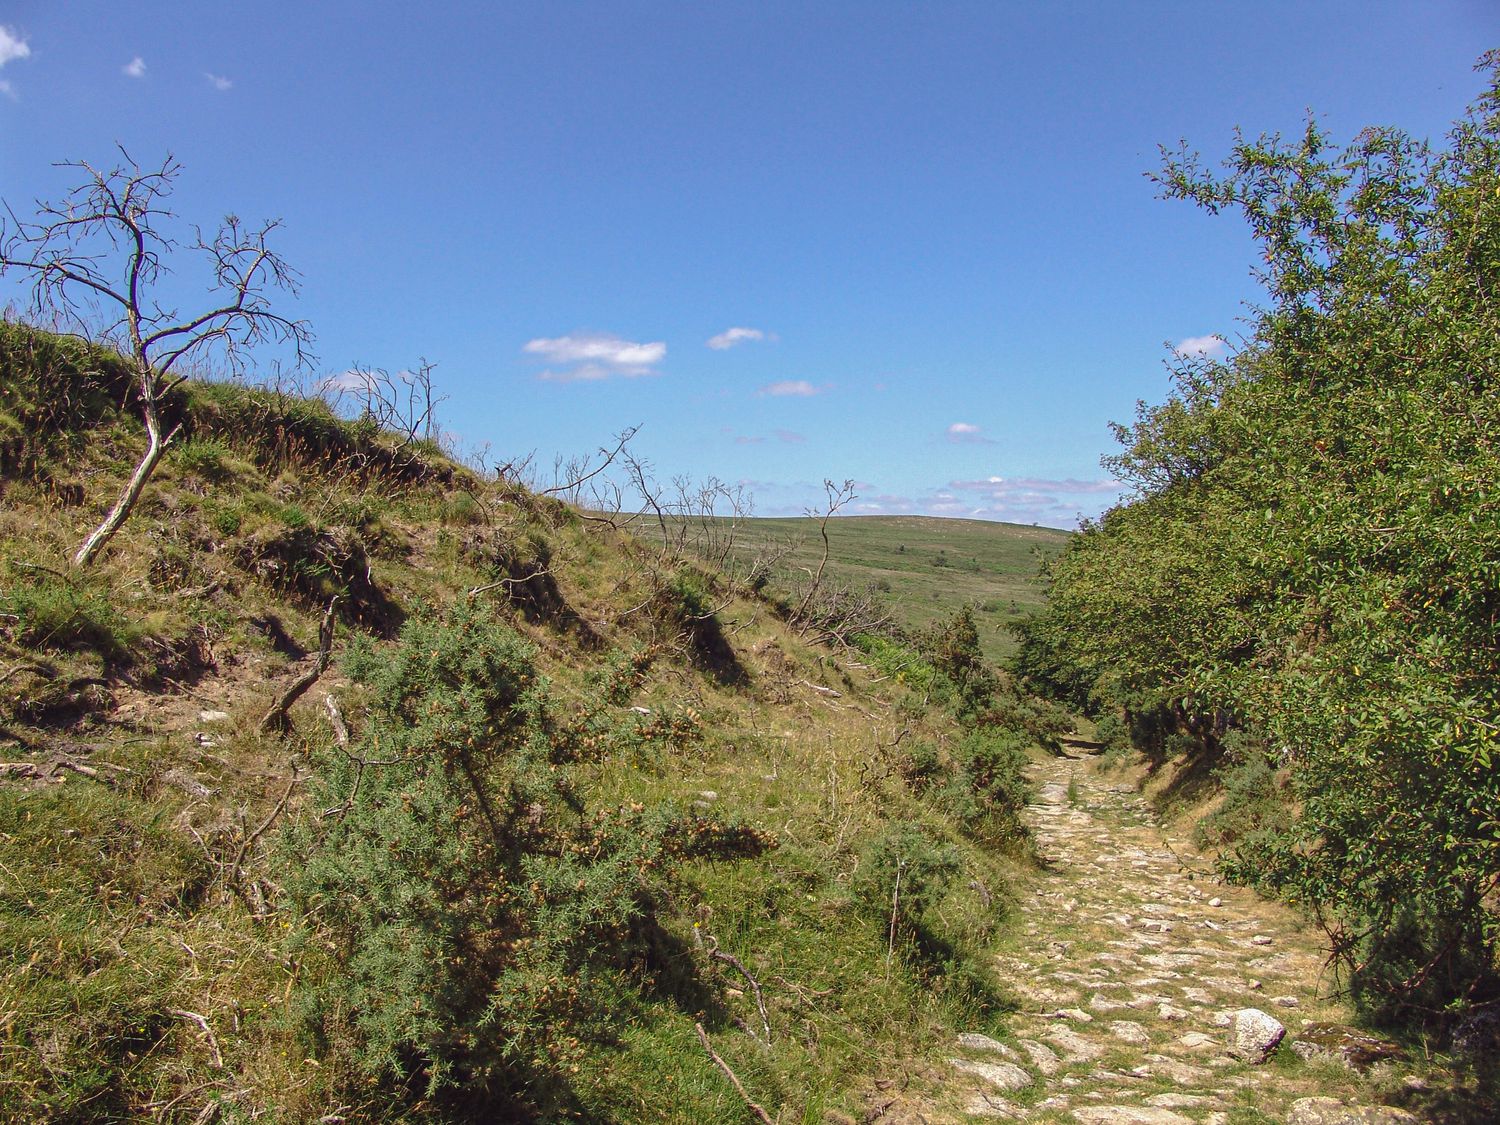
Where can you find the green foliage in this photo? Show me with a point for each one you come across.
(480, 919)
(1310, 549)
(204, 456)
(904, 872)
(67, 614)
(1255, 800)
(905, 876)
(988, 789)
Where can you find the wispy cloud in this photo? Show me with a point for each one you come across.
(796, 388)
(731, 337)
(135, 68)
(1209, 347)
(595, 356)
(1010, 485)
(218, 81)
(12, 46)
(747, 439)
(1025, 500)
(968, 432)
(790, 437)
(1041, 500)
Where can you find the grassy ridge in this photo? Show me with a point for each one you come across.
(929, 568)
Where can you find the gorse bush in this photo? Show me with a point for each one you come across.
(904, 878)
(988, 788)
(477, 915)
(1255, 797)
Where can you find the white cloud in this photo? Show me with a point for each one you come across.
(790, 437)
(968, 432)
(733, 336)
(135, 68)
(595, 356)
(7, 89)
(789, 387)
(12, 46)
(1209, 347)
(1069, 485)
(218, 81)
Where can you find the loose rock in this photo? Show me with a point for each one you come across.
(1004, 1076)
(1253, 1035)
(1331, 1111)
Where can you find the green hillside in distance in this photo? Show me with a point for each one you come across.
(927, 566)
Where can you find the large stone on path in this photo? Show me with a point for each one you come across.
(1043, 1057)
(1253, 1035)
(1128, 1115)
(1331, 1111)
(974, 1041)
(1005, 1076)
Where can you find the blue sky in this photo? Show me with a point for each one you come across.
(929, 222)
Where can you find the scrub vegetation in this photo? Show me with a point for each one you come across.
(1303, 594)
(352, 783)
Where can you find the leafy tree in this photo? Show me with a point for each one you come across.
(97, 260)
(1309, 551)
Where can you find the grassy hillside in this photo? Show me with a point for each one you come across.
(559, 797)
(928, 568)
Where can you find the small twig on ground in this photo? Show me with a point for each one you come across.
(249, 841)
(821, 690)
(890, 950)
(202, 1022)
(35, 669)
(336, 720)
(39, 566)
(200, 591)
(760, 1114)
(730, 959)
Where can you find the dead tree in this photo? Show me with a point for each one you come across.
(96, 260)
(838, 496)
(404, 404)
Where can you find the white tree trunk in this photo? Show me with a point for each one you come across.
(156, 445)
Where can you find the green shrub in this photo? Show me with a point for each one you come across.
(480, 920)
(226, 517)
(1255, 798)
(905, 884)
(203, 456)
(989, 788)
(62, 615)
(904, 872)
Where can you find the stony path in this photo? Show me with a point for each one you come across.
(1130, 960)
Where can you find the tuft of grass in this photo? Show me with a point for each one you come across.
(66, 614)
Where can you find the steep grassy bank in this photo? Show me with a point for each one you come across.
(572, 797)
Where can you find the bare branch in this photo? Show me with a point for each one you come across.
(94, 259)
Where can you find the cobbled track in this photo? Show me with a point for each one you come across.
(1132, 958)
